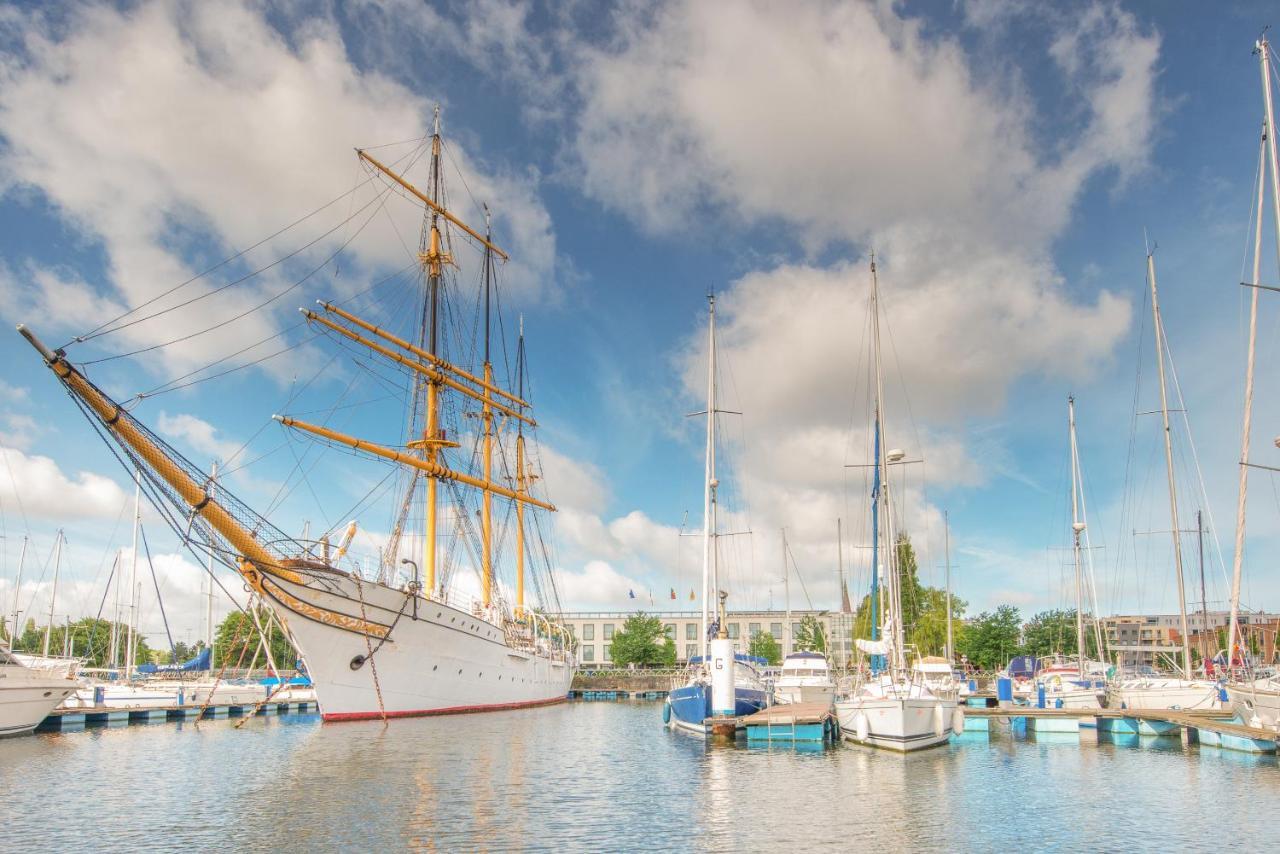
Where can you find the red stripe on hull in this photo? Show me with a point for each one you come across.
(453, 710)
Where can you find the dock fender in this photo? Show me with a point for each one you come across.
(861, 726)
(939, 720)
(666, 712)
(957, 721)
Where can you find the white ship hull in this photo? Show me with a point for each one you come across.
(27, 697)
(1163, 694)
(904, 725)
(1263, 703)
(446, 661)
(163, 695)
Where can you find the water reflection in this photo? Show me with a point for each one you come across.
(602, 775)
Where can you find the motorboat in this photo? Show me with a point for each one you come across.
(27, 695)
(806, 678)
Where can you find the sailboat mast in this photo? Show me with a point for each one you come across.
(115, 622)
(17, 591)
(1204, 595)
(130, 651)
(53, 595)
(1168, 458)
(892, 617)
(786, 585)
(208, 602)
(1263, 48)
(1077, 528)
(486, 515)
(433, 259)
(946, 539)
(709, 490)
(522, 483)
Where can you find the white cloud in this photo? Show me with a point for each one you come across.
(43, 491)
(175, 133)
(197, 433)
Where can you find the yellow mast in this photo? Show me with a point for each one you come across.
(434, 261)
(487, 412)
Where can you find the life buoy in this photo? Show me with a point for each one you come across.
(666, 712)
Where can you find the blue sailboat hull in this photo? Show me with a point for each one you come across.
(691, 704)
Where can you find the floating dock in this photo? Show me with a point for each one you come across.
(791, 722)
(1208, 727)
(69, 720)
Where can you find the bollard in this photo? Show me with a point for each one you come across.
(1004, 691)
(1040, 696)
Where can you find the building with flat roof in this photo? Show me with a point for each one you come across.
(1156, 639)
(594, 631)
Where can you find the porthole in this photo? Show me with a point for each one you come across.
(48, 693)
(435, 667)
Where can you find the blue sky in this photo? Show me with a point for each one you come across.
(1002, 160)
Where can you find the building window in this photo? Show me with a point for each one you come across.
(608, 631)
(690, 631)
(733, 631)
(607, 648)
(669, 630)
(775, 629)
(752, 630)
(690, 650)
(588, 653)
(795, 629)
(589, 631)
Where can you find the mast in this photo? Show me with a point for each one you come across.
(1268, 156)
(208, 603)
(487, 414)
(709, 491)
(786, 585)
(53, 595)
(434, 262)
(892, 618)
(1077, 528)
(131, 652)
(522, 482)
(114, 660)
(946, 533)
(1204, 596)
(1168, 458)
(17, 590)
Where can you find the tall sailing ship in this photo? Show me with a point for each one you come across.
(376, 648)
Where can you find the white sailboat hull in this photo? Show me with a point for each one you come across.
(27, 697)
(1163, 694)
(901, 724)
(1255, 701)
(446, 661)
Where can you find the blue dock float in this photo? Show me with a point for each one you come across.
(812, 723)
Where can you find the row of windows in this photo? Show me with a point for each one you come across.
(588, 653)
(691, 630)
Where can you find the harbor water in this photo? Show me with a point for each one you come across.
(607, 775)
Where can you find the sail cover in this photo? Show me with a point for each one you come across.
(873, 647)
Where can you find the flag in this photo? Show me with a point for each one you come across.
(691, 596)
(631, 594)
(673, 593)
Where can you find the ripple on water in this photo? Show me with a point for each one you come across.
(607, 775)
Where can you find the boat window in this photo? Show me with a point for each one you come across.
(6, 658)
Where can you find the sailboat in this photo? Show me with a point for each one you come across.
(1166, 692)
(719, 681)
(893, 708)
(1074, 682)
(376, 649)
(938, 672)
(1255, 698)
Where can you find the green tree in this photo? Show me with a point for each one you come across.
(236, 642)
(642, 640)
(1052, 632)
(765, 646)
(90, 640)
(810, 636)
(992, 638)
(929, 634)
